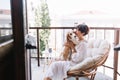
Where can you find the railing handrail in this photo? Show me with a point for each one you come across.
(5, 28)
(5, 38)
(6, 42)
(108, 28)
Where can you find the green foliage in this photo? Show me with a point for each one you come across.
(42, 19)
(44, 39)
(42, 45)
(38, 16)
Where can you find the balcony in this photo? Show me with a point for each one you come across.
(109, 71)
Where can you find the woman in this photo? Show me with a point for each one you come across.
(58, 69)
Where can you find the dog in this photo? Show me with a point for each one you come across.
(69, 46)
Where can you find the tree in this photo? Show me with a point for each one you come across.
(42, 19)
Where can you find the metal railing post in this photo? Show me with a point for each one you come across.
(116, 41)
(38, 57)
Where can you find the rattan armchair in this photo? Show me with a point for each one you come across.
(90, 71)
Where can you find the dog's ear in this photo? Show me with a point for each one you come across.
(68, 37)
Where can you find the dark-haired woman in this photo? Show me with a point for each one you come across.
(58, 69)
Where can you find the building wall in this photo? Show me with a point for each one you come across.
(5, 18)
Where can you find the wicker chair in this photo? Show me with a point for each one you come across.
(91, 70)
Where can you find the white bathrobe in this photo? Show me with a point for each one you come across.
(58, 69)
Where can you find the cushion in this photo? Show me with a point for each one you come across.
(104, 44)
(90, 43)
(87, 63)
(84, 64)
(99, 47)
(96, 50)
(96, 43)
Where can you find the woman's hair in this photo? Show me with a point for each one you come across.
(83, 28)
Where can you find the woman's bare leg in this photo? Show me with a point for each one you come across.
(47, 78)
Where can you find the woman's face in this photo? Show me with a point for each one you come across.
(79, 34)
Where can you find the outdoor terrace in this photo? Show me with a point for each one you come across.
(109, 71)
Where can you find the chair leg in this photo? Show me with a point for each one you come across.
(64, 79)
(77, 78)
(92, 76)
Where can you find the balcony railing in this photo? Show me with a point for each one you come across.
(108, 33)
(5, 34)
(5, 31)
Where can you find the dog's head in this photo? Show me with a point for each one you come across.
(71, 36)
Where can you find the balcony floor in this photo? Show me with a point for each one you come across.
(38, 72)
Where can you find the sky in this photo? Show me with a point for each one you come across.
(61, 8)
(4, 4)
(64, 7)
(71, 6)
